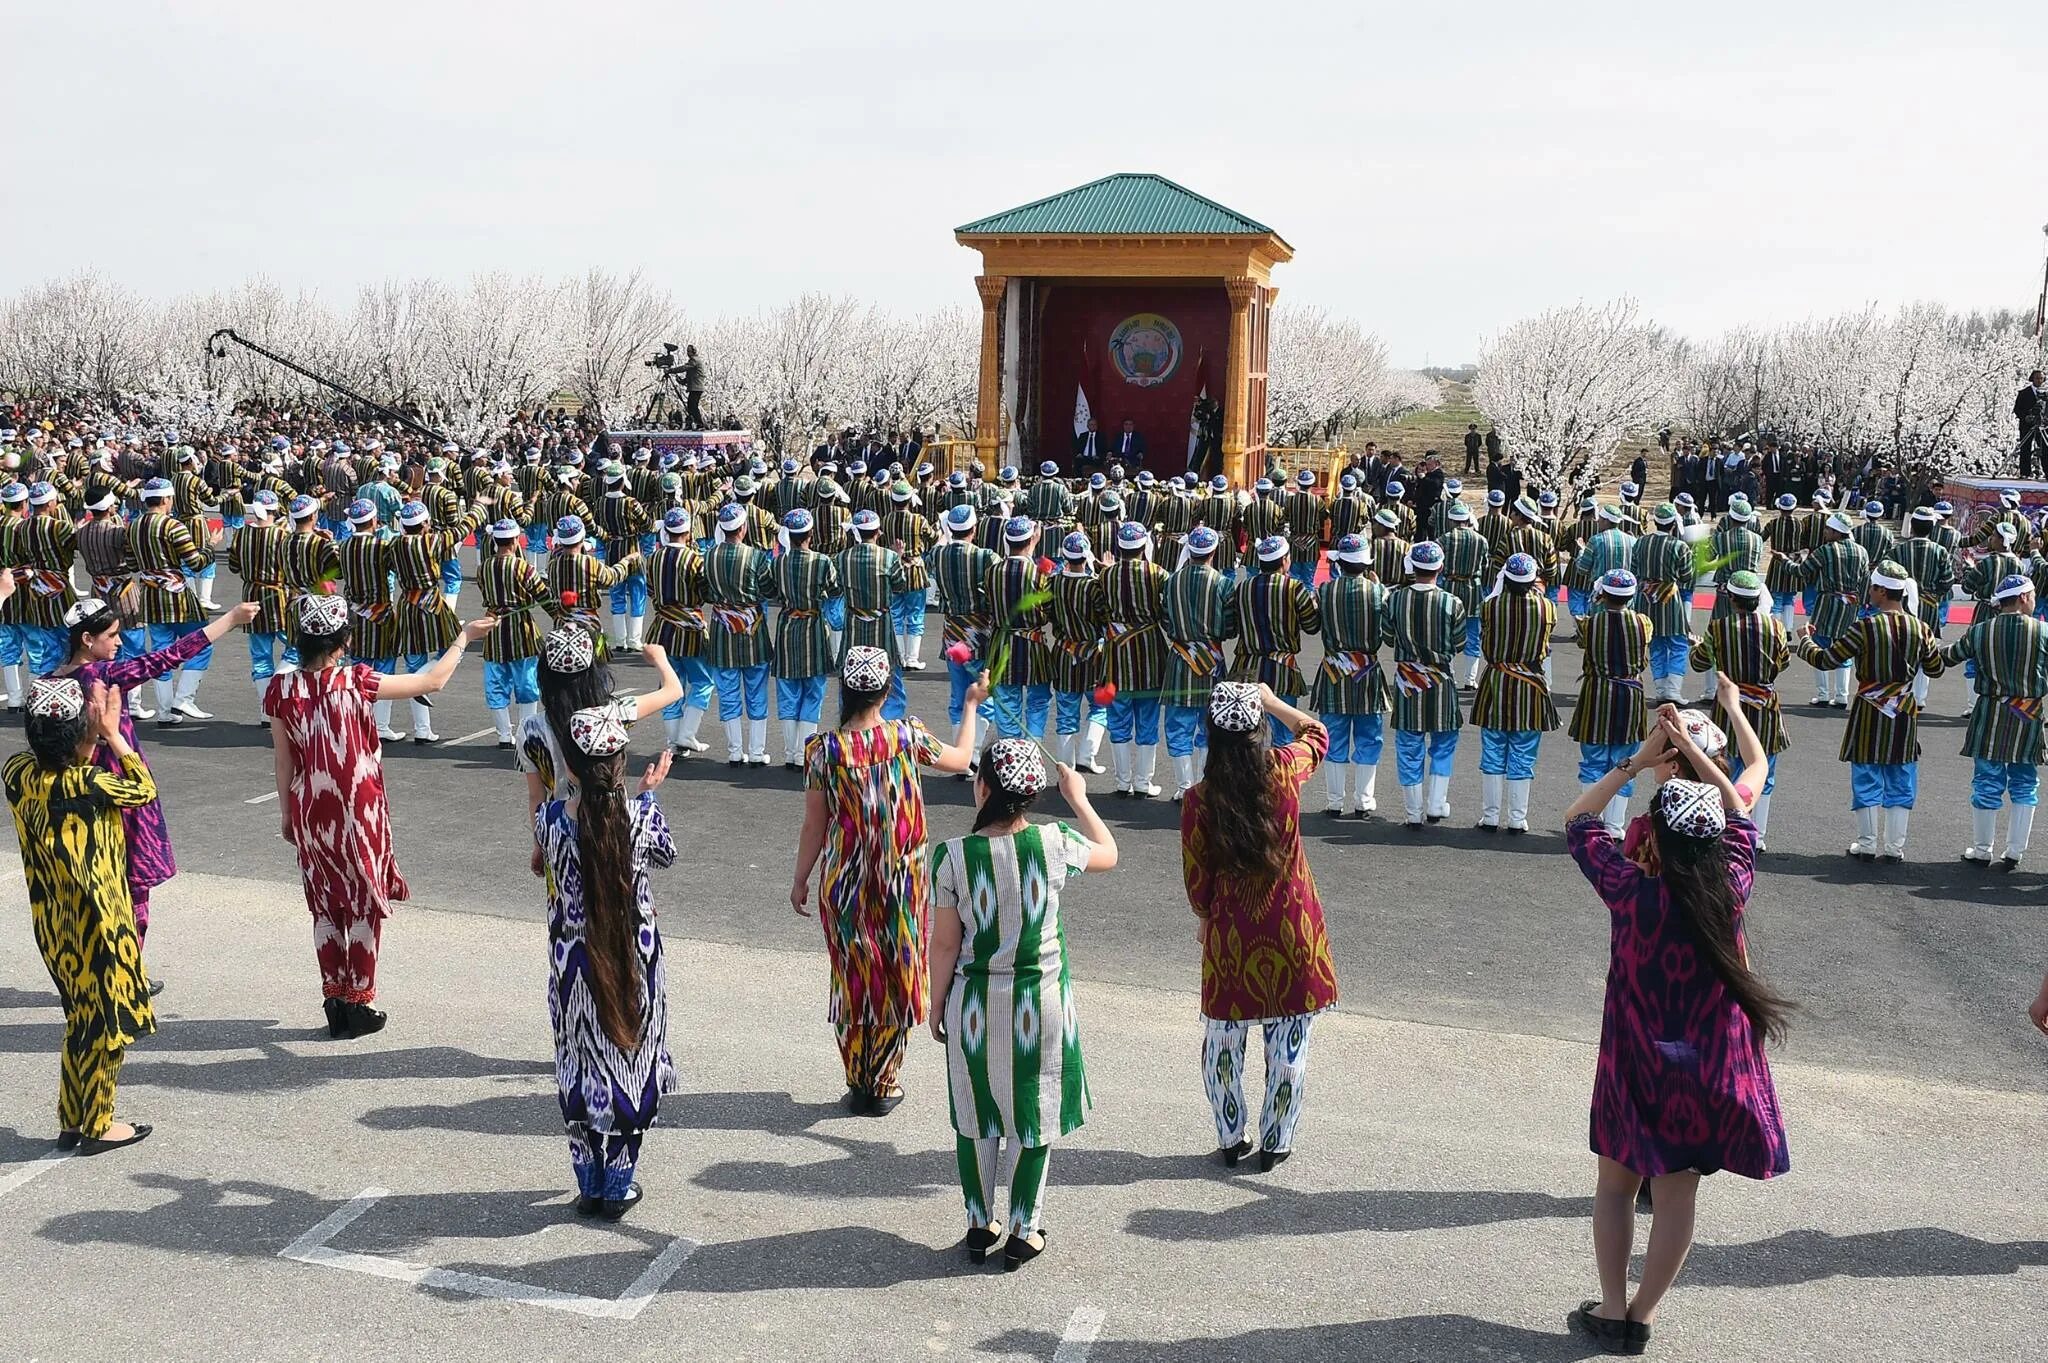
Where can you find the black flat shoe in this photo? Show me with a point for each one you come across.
(1233, 1154)
(586, 1205)
(67, 1140)
(882, 1104)
(99, 1147)
(2006, 864)
(980, 1240)
(612, 1208)
(1487, 827)
(1269, 1158)
(1018, 1251)
(337, 1019)
(156, 986)
(856, 1101)
(1434, 818)
(1610, 1335)
(1637, 1340)
(363, 1019)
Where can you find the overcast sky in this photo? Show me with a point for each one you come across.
(1439, 170)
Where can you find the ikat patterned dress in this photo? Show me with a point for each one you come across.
(338, 818)
(1013, 1039)
(608, 1096)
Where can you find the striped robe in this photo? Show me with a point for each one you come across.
(1744, 549)
(311, 561)
(426, 624)
(1888, 649)
(1048, 502)
(256, 555)
(1200, 612)
(1273, 612)
(869, 575)
(1224, 515)
(737, 579)
(1839, 570)
(910, 535)
(1079, 611)
(621, 522)
(1494, 528)
(1351, 680)
(103, 549)
(47, 545)
(959, 570)
(1389, 559)
(675, 598)
(511, 587)
(1617, 648)
(1350, 514)
(1514, 639)
(1663, 565)
(1785, 536)
(1012, 582)
(1174, 515)
(1427, 627)
(2011, 653)
(804, 580)
(163, 553)
(1305, 515)
(366, 560)
(1465, 555)
(1981, 579)
(1529, 538)
(1262, 516)
(1754, 651)
(1934, 570)
(1134, 591)
(1604, 552)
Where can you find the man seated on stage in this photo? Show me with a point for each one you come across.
(1128, 446)
(1089, 446)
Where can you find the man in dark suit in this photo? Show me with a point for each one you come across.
(1088, 447)
(1474, 443)
(1129, 447)
(1428, 489)
(2030, 406)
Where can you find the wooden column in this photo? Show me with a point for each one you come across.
(988, 403)
(1236, 380)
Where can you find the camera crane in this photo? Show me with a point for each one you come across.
(217, 349)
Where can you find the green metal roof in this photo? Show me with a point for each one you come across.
(1128, 203)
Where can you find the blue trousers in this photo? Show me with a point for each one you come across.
(1509, 752)
(1071, 708)
(960, 676)
(1134, 719)
(897, 704)
(1992, 782)
(163, 636)
(47, 647)
(1809, 600)
(1894, 785)
(800, 698)
(1186, 729)
(1669, 656)
(505, 683)
(13, 646)
(1021, 708)
(262, 650)
(906, 611)
(1304, 571)
(233, 522)
(835, 613)
(451, 575)
(699, 687)
(1356, 738)
(1575, 601)
(630, 597)
(742, 688)
(383, 667)
(134, 643)
(1472, 635)
(1281, 736)
(1411, 749)
(536, 538)
(1597, 759)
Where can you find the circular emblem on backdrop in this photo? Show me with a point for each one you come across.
(1145, 348)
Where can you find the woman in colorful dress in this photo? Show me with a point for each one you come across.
(607, 994)
(1682, 1087)
(95, 628)
(1265, 950)
(67, 818)
(1005, 975)
(330, 789)
(864, 821)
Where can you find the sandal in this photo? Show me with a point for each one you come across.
(1610, 1335)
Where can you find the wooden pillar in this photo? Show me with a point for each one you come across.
(1237, 378)
(988, 403)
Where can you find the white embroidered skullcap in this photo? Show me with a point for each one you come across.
(322, 614)
(1234, 707)
(82, 611)
(601, 729)
(2012, 585)
(865, 668)
(1704, 733)
(571, 648)
(1692, 809)
(1019, 766)
(1839, 523)
(2007, 531)
(56, 698)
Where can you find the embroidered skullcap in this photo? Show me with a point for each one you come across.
(957, 478)
(1263, 485)
(1925, 513)
(2010, 496)
(1459, 512)
(1351, 549)
(960, 519)
(1112, 503)
(1665, 514)
(1786, 501)
(362, 511)
(1234, 707)
(41, 494)
(1048, 469)
(106, 501)
(1525, 507)
(1692, 808)
(1890, 576)
(790, 466)
(743, 487)
(1307, 479)
(614, 472)
(1019, 766)
(412, 513)
(1629, 491)
(1610, 513)
(1945, 508)
(858, 468)
(731, 516)
(571, 648)
(322, 614)
(1020, 530)
(865, 520)
(569, 531)
(1520, 568)
(1873, 511)
(1131, 535)
(926, 470)
(1096, 482)
(865, 668)
(1740, 511)
(1620, 582)
(1704, 733)
(1746, 583)
(1496, 497)
(2010, 586)
(1426, 556)
(1145, 478)
(600, 730)
(797, 522)
(676, 522)
(1684, 499)
(1075, 547)
(82, 611)
(56, 698)
(1823, 498)
(1219, 484)
(1201, 540)
(1395, 489)
(303, 506)
(900, 492)
(155, 490)
(1839, 523)
(278, 442)
(1007, 474)
(1547, 497)
(1387, 518)
(1272, 549)
(505, 529)
(2008, 532)
(1349, 482)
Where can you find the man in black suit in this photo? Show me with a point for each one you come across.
(1474, 442)
(1128, 446)
(2030, 405)
(1088, 447)
(1427, 490)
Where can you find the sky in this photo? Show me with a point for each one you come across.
(1439, 170)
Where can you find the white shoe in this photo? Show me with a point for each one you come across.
(2018, 833)
(1983, 833)
(136, 709)
(1518, 806)
(1411, 802)
(390, 735)
(686, 732)
(1368, 796)
(1865, 846)
(189, 708)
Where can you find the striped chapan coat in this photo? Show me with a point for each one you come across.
(2011, 653)
(1134, 597)
(1351, 679)
(1754, 650)
(1617, 648)
(1514, 639)
(1273, 613)
(1426, 625)
(1200, 613)
(1888, 650)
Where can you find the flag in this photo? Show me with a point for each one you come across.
(1082, 412)
(1201, 392)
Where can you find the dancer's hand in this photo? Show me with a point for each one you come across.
(799, 894)
(243, 612)
(977, 691)
(657, 771)
(479, 627)
(540, 867)
(1073, 785)
(103, 711)
(1727, 692)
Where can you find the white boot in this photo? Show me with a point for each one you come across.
(1921, 681)
(136, 708)
(1368, 779)
(757, 741)
(1983, 833)
(1615, 816)
(1090, 747)
(501, 720)
(187, 703)
(805, 732)
(17, 697)
(1866, 845)
(262, 690)
(636, 633)
(384, 729)
(1201, 761)
(789, 748)
(423, 723)
(2018, 831)
(1439, 797)
(1823, 687)
(615, 630)
(1895, 821)
(913, 655)
(672, 729)
(735, 743)
(1183, 776)
(1148, 762)
(1845, 685)
(686, 731)
(1126, 759)
(1489, 799)
(1760, 815)
(1411, 803)
(1518, 806)
(1335, 776)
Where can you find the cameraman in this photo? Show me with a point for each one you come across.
(2031, 407)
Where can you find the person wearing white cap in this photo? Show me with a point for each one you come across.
(1945, 532)
(190, 496)
(1427, 626)
(1051, 504)
(41, 548)
(257, 555)
(1134, 589)
(167, 562)
(1837, 571)
(1789, 534)
(872, 575)
(804, 580)
(1735, 547)
(1663, 567)
(959, 568)
(616, 532)
(1078, 611)
(1612, 717)
(675, 595)
(1608, 547)
(512, 589)
(1465, 556)
(103, 553)
(1019, 660)
(366, 584)
(1308, 514)
(1881, 742)
(2005, 743)
(1199, 610)
(738, 579)
(906, 530)
(1273, 613)
(2010, 512)
(1980, 580)
(1933, 568)
(1513, 708)
(1350, 694)
(426, 622)
(1871, 532)
(1494, 526)
(1750, 648)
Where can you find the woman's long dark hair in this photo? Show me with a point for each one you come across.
(55, 741)
(1695, 875)
(1001, 806)
(315, 649)
(853, 701)
(562, 694)
(1247, 835)
(611, 913)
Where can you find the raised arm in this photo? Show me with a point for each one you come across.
(671, 689)
(1756, 763)
(959, 755)
(413, 685)
(1595, 797)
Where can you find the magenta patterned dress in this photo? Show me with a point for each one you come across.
(1682, 1081)
(150, 862)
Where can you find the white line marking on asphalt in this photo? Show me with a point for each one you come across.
(311, 1248)
(32, 1170)
(266, 795)
(1082, 1328)
(466, 738)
